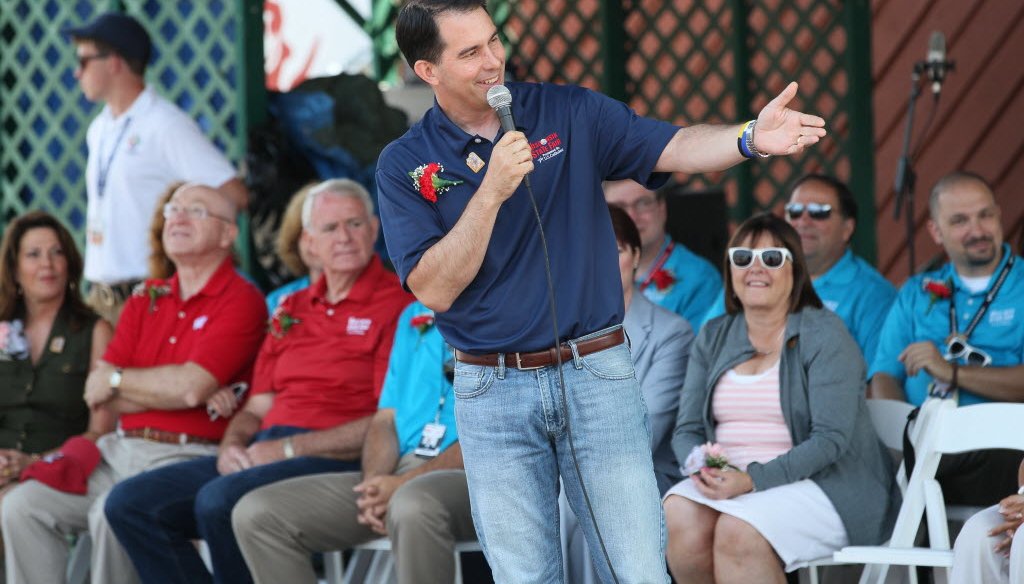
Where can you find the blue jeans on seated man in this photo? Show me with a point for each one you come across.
(514, 445)
(157, 514)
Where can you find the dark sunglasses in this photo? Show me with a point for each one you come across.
(84, 60)
(771, 257)
(817, 211)
(958, 348)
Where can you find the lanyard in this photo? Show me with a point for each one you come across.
(984, 305)
(104, 169)
(658, 263)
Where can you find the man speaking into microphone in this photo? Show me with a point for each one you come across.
(462, 232)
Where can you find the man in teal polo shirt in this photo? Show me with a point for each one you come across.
(669, 274)
(955, 332)
(823, 211)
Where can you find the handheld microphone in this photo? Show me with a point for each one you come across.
(936, 64)
(500, 100)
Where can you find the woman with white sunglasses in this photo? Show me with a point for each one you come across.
(776, 384)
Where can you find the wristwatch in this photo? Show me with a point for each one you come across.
(115, 380)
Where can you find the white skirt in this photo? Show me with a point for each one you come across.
(797, 519)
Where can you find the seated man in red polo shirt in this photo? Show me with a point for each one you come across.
(178, 340)
(315, 388)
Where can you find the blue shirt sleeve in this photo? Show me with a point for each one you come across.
(410, 222)
(896, 333)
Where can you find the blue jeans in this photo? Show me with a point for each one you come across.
(156, 514)
(514, 440)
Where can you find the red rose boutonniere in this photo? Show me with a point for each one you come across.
(281, 322)
(938, 290)
(663, 279)
(427, 179)
(422, 322)
(152, 291)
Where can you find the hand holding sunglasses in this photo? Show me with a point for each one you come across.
(817, 211)
(771, 257)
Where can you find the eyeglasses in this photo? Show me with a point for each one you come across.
(958, 347)
(641, 205)
(84, 60)
(771, 257)
(197, 212)
(817, 211)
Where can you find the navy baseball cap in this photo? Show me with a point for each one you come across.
(122, 32)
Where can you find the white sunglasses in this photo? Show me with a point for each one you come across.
(771, 257)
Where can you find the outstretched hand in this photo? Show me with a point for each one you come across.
(783, 131)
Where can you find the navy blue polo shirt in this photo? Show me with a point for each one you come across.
(578, 138)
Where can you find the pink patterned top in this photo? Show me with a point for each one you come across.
(748, 417)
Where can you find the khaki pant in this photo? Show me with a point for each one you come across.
(37, 519)
(280, 525)
(108, 307)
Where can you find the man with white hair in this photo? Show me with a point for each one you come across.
(178, 341)
(315, 388)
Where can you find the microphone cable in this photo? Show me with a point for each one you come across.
(561, 377)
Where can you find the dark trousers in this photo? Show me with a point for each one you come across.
(157, 514)
(979, 478)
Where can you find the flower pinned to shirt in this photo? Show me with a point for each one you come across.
(707, 455)
(938, 290)
(427, 179)
(422, 322)
(13, 343)
(281, 322)
(663, 279)
(152, 291)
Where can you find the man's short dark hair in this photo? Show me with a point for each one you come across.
(416, 28)
(847, 203)
(949, 181)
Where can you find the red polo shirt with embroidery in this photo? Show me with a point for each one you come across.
(220, 329)
(327, 369)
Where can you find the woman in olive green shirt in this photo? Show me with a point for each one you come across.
(49, 340)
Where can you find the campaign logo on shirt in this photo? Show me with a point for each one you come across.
(358, 326)
(199, 322)
(546, 148)
(132, 143)
(1001, 317)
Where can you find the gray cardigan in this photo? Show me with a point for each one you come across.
(660, 346)
(821, 387)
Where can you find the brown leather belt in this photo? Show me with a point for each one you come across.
(154, 435)
(539, 359)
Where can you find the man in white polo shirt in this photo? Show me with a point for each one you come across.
(139, 144)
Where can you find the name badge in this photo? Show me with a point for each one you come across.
(430, 441)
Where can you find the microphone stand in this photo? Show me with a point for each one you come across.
(905, 174)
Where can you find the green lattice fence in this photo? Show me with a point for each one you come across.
(203, 61)
(692, 61)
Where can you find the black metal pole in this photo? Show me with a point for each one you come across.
(905, 174)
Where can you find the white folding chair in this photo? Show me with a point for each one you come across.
(382, 564)
(889, 418)
(949, 430)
